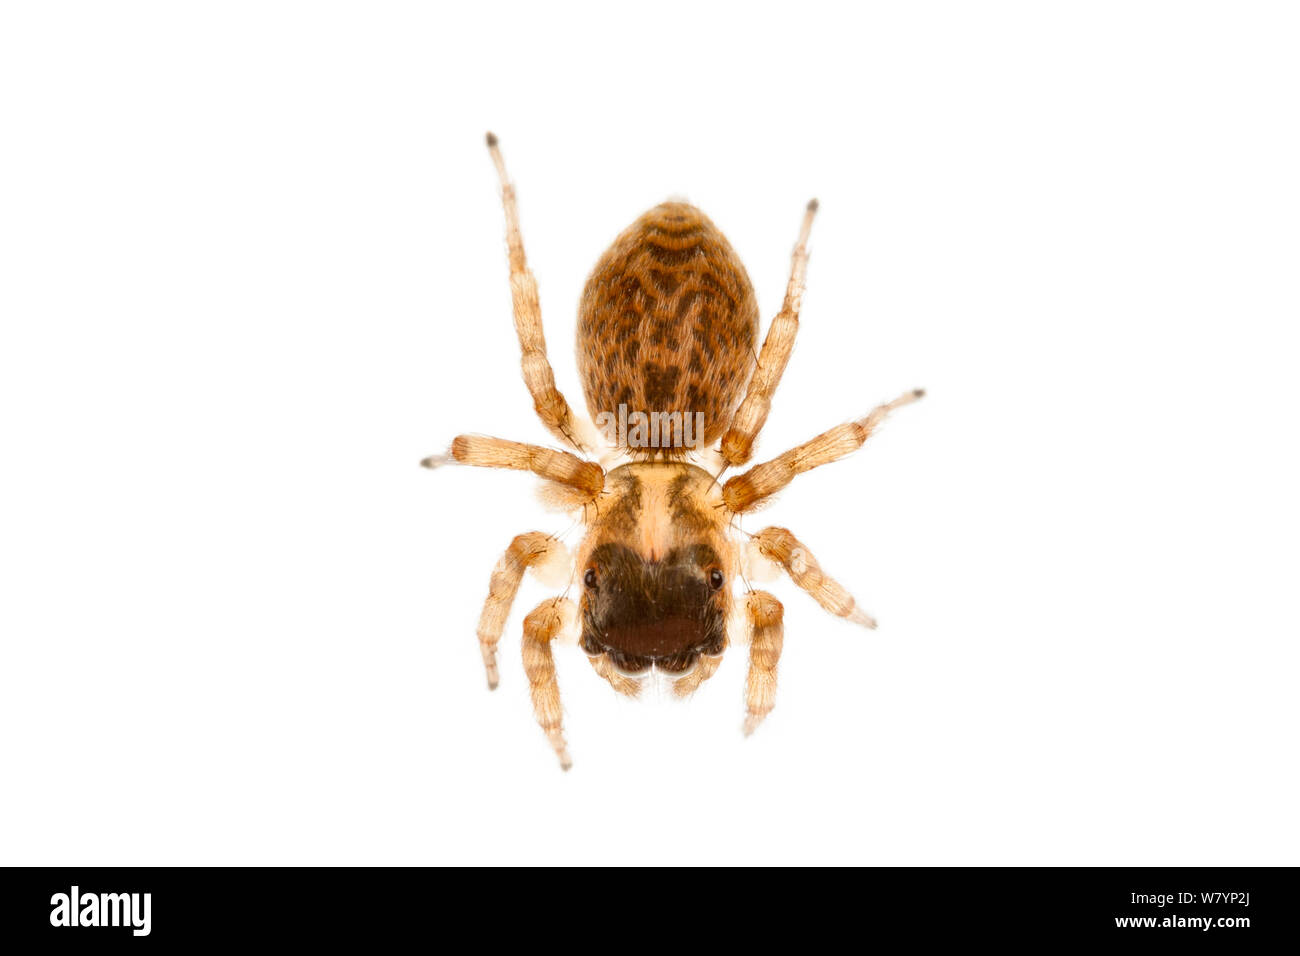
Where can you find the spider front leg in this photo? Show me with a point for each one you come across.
(546, 622)
(781, 547)
(533, 549)
(766, 635)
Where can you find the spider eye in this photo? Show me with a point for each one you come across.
(589, 578)
(715, 579)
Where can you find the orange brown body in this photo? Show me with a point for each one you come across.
(668, 321)
(667, 334)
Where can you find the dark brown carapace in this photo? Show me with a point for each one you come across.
(667, 335)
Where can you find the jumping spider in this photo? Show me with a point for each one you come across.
(667, 327)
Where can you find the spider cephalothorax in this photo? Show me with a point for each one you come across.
(654, 569)
(666, 334)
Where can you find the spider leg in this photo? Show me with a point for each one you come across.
(562, 467)
(745, 491)
(550, 404)
(541, 627)
(766, 635)
(738, 443)
(525, 551)
(782, 547)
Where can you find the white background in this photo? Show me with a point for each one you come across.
(253, 271)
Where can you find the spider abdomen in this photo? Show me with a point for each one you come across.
(667, 326)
